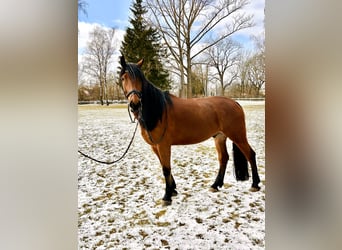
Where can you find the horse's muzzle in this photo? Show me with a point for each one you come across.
(134, 98)
(135, 107)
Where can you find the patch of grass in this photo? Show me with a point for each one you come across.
(237, 201)
(143, 234)
(143, 222)
(237, 225)
(179, 163)
(163, 224)
(87, 210)
(226, 220)
(212, 216)
(99, 198)
(140, 215)
(227, 185)
(256, 219)
(129, 236)
(205, 149)
(98, 233)
(200, 236)
(257, 241)
(164, 242)
(109, 195)
(111, 220)
(234, 216)
(160, 213)
(199, 220)
(99, 243)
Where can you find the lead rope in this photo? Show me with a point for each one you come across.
(112, 162)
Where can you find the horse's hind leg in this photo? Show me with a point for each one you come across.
(249, 153)
(221, 148)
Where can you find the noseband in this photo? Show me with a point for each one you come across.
(134, 92)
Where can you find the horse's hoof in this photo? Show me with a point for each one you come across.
(174, 193)
(254, 189)
(166, 203)
(214, 190)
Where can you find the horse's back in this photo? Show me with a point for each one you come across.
(197, 119)
(208, 108)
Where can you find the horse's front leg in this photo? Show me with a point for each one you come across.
(164, 154)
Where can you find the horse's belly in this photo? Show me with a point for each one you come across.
(191, 137)
(187, 142)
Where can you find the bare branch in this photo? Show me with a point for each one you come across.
(186, 23)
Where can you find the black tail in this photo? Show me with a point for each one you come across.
(240, 163)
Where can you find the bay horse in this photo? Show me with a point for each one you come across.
(167, 120)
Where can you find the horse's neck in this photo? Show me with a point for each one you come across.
(153, 105)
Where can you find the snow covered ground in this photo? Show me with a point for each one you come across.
(119, 206)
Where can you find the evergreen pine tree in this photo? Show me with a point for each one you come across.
(142, 41)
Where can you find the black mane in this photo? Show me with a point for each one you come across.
(154, 101)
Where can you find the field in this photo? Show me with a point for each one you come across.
(119, 206)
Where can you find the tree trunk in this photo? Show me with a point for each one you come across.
(106, 89)
(101, 92)
(182, 82)
(188, 62)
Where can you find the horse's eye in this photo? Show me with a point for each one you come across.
(122, 78)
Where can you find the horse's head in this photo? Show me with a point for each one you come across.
(132, 83)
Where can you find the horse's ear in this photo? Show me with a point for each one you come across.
(140, 63)
(122, 61)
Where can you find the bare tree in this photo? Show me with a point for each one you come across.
(242, 69)
(256, 71)
(255, 65)
(224, 57)
(199, 79)
(184, 24)
(97, 59)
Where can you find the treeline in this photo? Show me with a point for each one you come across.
(93, 93)
(90, 93)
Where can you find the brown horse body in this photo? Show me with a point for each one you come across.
(167, 120)
(210, 116)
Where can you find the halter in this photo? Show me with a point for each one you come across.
(141, 119)
(139, 94)
(134, 92)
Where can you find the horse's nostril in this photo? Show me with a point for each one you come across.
(134, 106)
